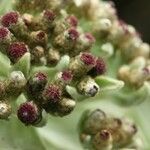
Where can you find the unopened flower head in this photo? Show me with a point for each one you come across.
(10, 19)
(72, 20)
(5, 110)
(52, 93)
(5, 35)
(16, 50)
(29, 113)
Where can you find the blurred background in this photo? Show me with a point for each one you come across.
(136, 13)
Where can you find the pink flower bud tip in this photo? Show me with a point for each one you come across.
(89, 37)
(41, 76)
(9, 19)
(72, 20)
(4, 33)
(49, 15)
(17, 49)
(73, 34)
(88, 59)
(28, 113)
(67, 75)
(52, 93)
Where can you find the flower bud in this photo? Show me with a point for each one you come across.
(94, 121)
(52, 94)
(53, 57)
(5, 110)
(16, 83)
(66, 106)
(29, 113)
(5, 35)
(72, 21)
(36, 84)
(16, 50)
(102, 140)
(88, 87)
(36, 54)
(124, 134)
(99, 68)
(65, 77)
(72, 34)
(2, 89)
(10, 19)
(81, 64)
(39, 37)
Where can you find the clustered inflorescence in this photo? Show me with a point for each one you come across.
(47, 37)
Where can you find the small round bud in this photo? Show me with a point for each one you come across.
(88, 87)
(72, 20)
(18, 79)
(36, 84)
(16, 50)
(53, 57)
(94, 121)
(99, 68)
(49, 15)
(52, 93)
(72, 34)
(66, 106)
(65, 76)
(29, 113)
(5, 110)
(10, 19)
(88, 59)
(2, 89)
(102, 140)
(39, 37)
(5, 35)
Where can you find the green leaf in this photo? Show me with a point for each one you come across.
(107, 83)
(4, 65)
(23, 64)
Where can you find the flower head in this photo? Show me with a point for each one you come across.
(9, 19)
(4, 34)
(72, 20)
(29, 113)
(87, 59)
(73, 34)
(49, 15)
(52, 93)
(16, 50)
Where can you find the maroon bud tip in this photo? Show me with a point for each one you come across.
(88, 59)
(17, 49)
(9, 19)
(72, 20)
(49, 15)
(99, 69)
(100, 66)
(89, 37)
(52, 93)
(28, 113)
(41, 76)
(4, 33)
(41, 35)
(104, 135)
(67, 75)
(73, 34)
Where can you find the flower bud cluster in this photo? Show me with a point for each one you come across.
(103, 131)
(136, 73)
(47, 37)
